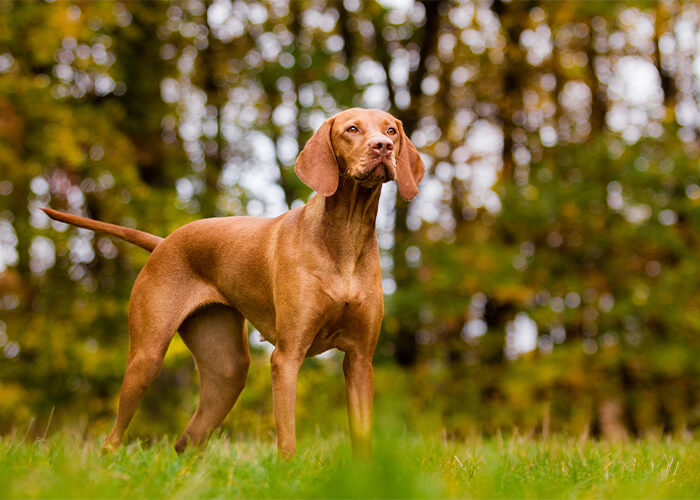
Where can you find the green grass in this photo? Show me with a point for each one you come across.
(403, 466)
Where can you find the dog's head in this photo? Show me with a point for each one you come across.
(366, 145)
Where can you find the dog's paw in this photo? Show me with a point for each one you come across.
(109, 446)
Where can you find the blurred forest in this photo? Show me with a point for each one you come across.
(546, 278)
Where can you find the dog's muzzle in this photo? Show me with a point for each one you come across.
(380, 169)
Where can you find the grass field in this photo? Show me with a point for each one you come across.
(403, 466)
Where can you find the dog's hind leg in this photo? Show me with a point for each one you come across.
(141, 369)
(216, 335)
(157, 308)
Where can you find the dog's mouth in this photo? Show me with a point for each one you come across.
(378, 170)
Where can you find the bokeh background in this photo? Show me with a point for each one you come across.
(546, 279)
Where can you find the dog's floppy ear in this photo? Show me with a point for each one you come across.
(409, 167)
(316, 165)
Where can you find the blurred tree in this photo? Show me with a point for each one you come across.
(545, 273)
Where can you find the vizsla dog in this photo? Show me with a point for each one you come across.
(309, 280)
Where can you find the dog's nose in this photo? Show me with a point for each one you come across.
(382, 145)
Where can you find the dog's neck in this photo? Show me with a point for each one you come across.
(346, 221)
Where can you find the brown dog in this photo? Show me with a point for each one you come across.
(309, 280)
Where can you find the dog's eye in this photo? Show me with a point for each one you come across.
(391, 131)
(353, 129)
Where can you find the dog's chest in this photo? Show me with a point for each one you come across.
(347, 291)
(350, 298)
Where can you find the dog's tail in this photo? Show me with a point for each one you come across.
(146, 241)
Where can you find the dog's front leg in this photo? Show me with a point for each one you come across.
(359, 384)
(285, 370)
